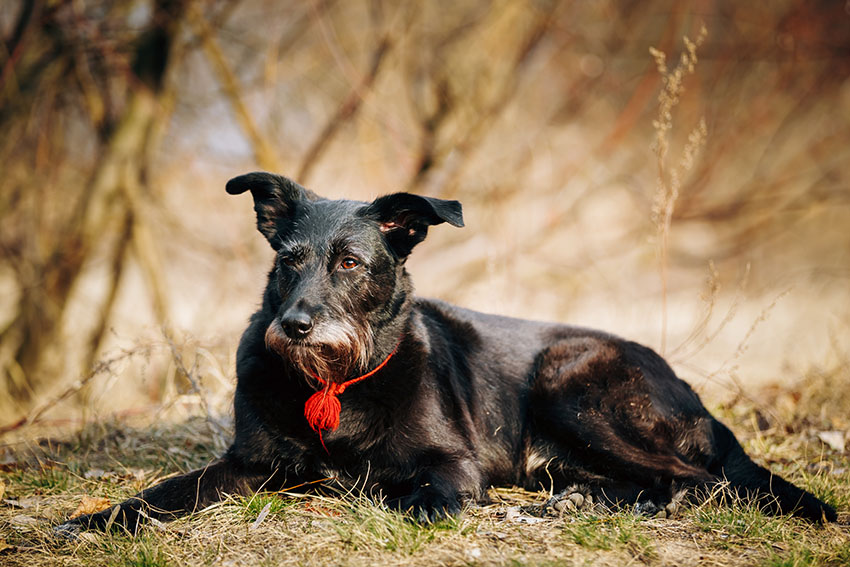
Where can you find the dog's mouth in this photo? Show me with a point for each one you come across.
(331, 353)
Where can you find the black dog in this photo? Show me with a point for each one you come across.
(343, 373)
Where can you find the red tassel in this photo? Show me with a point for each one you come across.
(322, 410)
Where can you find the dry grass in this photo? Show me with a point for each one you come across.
(44, 482)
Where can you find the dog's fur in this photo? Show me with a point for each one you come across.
(467, 400)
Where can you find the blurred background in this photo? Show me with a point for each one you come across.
(674, 172)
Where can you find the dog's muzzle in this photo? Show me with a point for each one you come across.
(333, 351)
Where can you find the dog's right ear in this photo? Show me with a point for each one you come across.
(275, 200)
(404, 218)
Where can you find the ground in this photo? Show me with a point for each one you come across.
(43, 482)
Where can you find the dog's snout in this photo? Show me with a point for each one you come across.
(297, 325)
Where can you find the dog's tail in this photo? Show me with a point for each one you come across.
(749, 480)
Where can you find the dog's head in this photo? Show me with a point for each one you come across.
(339, 278)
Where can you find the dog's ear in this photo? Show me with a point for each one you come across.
(275, 199)
(404, 218)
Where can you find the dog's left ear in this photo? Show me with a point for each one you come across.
(404, 218)
(275, 200)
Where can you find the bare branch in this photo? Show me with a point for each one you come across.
(264, 153)
(346, 111)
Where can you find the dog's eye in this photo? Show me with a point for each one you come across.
(288, 261)
(349, 264)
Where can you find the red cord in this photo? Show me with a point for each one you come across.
(322, 408)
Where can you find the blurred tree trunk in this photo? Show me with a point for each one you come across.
(106, 216)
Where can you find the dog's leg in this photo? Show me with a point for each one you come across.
(748, 480)
(617, 410)
(178, 496)
(603, 413)
(628, 428)
(439, 491)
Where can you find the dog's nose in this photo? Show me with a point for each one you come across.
(296, 325)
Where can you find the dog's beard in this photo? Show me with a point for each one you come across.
(332, 352)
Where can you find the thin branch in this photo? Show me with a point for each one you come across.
(119, 256)
(14, 48)
(346, 111)
(476, 133)
(264, 153)
(216, 428)
(144, 247)
(103, 367)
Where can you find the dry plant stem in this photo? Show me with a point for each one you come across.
(669, 180)
(688, 349)
(102, 367)
(302, 25)
(137, 234)
(145, 249)
(93, 212)
(639, 99)
(699, 328)
(529, 246)
(729, 366)
(216, 428)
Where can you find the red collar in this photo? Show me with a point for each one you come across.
(322, 408)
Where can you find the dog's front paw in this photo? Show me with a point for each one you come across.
(102, 521)
(69, 531)
(429, 507)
